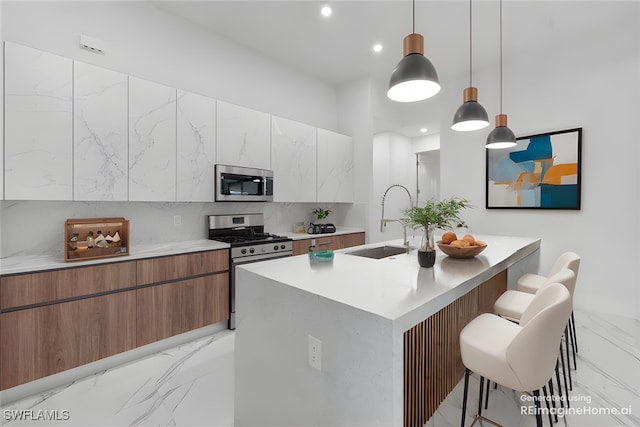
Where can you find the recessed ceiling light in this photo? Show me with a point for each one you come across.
(377, 47)
(325, 11)
(423, 130)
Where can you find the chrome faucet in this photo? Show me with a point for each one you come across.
(384, 221)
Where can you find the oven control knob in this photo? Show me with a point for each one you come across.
(252, 250)
(244, 251)
(263, 249)
(275, 247)
(282, 246)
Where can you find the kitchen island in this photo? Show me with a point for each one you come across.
(385, 332)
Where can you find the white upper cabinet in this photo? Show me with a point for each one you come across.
(38, 125)
(293, 159)
(335, 167)
(100, 144)
(152, 141)
(243, 137)
(196, 147)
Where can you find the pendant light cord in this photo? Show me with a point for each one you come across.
(500, 56)
(414, 17)
(470, 47)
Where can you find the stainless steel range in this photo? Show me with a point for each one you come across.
(249, 243)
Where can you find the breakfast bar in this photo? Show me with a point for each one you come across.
(360, 341)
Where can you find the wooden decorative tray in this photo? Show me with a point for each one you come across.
(93, 238)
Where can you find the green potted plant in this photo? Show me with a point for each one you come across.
(320, 213)
(444, 214)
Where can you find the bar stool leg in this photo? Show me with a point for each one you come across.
(564, 374)
(568, 364)
(546, 400)
(486, 398)
(536, 395)
(480, 390)
(464, 397)
(558, 379)
(573, 326)
(553, 400)
(573, 344)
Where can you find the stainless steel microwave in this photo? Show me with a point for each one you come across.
(241, 184)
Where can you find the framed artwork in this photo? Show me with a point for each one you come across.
(541, 172)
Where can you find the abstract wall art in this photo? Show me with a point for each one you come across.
(541, 172)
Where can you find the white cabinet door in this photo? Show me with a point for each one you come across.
(100, 143)
(243, 137)
(293, 159)
(152, 141)
(335, 167)
(196, 147)
(38, 125)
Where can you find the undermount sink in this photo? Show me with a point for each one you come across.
(379, 252)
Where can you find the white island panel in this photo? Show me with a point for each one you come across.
(152, 141)
(276, 386)
(362, 310)
(100, 140)
(37, 124)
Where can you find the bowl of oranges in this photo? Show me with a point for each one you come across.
(465, 247)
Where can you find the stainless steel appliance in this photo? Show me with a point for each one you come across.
(321, 228)
(249, 243)
(240, 184)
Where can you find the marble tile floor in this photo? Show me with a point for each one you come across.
(192, 385)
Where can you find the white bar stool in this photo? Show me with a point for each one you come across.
(519, 356)
(532, 282)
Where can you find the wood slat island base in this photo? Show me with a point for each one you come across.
(432, 362)
(385, 333)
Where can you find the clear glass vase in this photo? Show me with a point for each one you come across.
(427, 251)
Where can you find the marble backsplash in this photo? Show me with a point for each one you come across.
(30, 228)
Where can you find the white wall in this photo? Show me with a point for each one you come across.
(394, 162)
(593, 84)
(428, 176)
(355, 119)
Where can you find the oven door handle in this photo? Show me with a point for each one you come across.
(260, 257)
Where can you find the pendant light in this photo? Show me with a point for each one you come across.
(501, 136)
(415, 77)
(471, 115)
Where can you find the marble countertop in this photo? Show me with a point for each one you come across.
(26, 264)
(339, 230)
(396, 287)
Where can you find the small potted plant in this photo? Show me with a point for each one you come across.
(321, 213)
(444, 214)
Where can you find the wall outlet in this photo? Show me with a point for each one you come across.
(315, 352)
(177, 220)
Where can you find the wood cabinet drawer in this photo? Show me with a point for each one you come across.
(42, 341)
(174, 267)
(333, 242)
(37, 288)
(177, 307)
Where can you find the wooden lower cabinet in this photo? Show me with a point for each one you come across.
(47, 286)
(333, 242)
(177, 307)
(42, 341)
(51, 321)
(176, 267)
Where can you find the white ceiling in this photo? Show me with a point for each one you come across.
(337, 49)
